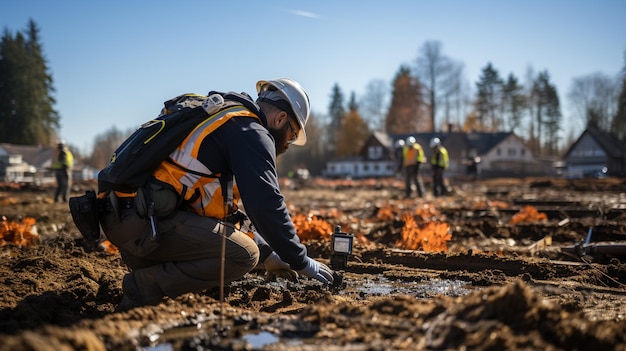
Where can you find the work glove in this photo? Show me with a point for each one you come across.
(317, 270)
(277, 268)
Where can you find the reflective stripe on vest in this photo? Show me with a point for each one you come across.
(210, 202)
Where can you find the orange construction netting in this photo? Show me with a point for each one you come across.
(430, 236)
(22, 234)
(528, 214)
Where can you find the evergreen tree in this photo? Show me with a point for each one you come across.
(336, 111)
(514, 101)
(552, 120)
(352, 104)
(27, 115)
(547, 114)
(406, 112)
(488, 101)
(618, 124)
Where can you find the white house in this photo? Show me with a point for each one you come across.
(26, 164)
(374, 161)
(32, 165)
(501, 154)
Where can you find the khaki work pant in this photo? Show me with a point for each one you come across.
(187, 257)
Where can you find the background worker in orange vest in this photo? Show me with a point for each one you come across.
(412, 159)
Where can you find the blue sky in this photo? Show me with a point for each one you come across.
(114, 62)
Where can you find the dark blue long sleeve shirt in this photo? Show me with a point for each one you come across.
(244, 146)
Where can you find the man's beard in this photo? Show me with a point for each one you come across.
(280, 138)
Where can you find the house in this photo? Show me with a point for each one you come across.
(504, 154)
(374, 161)
(32, 164)
(26, 164)
(501, 154)
(595, 153)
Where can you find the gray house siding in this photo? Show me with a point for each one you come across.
(593, 152)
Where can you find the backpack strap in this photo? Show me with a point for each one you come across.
(245, 100)
(226, 182)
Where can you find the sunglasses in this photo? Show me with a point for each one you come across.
(294, 134)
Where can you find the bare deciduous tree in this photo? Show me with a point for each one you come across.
(374, 103)
(455, 94)
(594, 99)
(432, 69)
(105, 145)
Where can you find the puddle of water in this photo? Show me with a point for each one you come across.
(249, 341)
(260, 340)
(421, 289)
(160, 347)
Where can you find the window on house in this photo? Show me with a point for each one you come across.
(375, 152)
(598, 152)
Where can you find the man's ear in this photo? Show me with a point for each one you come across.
(280, 118)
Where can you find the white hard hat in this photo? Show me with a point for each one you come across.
(435, 142)
(399, 143)
(294, 94)
(410, 140)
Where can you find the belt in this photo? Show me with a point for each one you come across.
(124, 203)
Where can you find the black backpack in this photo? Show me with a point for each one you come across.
(136, 159)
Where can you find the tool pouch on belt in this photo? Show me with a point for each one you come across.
(165, 200)
(85, 213)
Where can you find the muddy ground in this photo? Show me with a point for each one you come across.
(502, 283)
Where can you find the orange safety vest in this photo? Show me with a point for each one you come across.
(204, 194)
(412, 154)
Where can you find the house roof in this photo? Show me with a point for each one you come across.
(385, 139)
(484, 142)
(606, 140)
(481, 142)
(34, 155)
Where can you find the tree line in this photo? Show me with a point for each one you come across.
(431, 94)
(27, 113)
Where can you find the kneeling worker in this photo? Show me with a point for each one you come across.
(244, 143)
